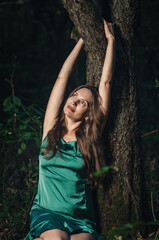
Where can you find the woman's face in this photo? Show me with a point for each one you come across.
(77, 104)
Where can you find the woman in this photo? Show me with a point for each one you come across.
(70, 154)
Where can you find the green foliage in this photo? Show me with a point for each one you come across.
(20, 133)
(106, 169)
(129, 231)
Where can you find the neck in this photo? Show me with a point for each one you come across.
(71, 125)
(71, 128)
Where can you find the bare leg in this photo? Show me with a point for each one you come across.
(55, 234)
(37, 238)
(82, 236)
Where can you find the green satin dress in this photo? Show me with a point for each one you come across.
(64, 200)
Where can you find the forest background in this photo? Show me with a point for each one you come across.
(34, 42)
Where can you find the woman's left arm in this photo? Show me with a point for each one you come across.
(105, 82)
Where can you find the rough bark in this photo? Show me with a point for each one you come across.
(121, 199)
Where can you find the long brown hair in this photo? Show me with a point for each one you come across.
(88, 136)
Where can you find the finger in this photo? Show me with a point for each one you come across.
(105, 22)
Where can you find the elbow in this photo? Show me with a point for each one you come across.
(108, 80)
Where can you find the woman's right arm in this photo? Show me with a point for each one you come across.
(59, 88)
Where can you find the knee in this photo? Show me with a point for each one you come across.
(49, 238)
(54, 238)
(55, 234)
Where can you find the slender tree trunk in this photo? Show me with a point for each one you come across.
(122, 198)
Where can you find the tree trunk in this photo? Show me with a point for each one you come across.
(121, 199)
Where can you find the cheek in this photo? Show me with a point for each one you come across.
(82, 110)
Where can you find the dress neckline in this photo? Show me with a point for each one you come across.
(68, 141)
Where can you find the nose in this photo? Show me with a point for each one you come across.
(74, 103)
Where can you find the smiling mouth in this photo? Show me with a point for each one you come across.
(70, 108)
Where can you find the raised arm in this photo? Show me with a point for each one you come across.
(105, 82)
(59, 88)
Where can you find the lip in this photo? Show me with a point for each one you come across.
(70, 108)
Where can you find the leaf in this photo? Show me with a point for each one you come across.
(26, 120)
(16, 110)
(5, 208)
(128, 225)
(10, 119)
(27, 135)
(38, 112)
(8, 107)
(35, 175)
(19, 151)
(23, 146)
(103, 170)
(38, 141)
(22, 127)
(7, 101)
(17, 101)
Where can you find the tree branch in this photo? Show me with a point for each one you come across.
(88, 23)
(12, 88)
(149, 133)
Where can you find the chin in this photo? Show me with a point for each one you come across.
(67, 113)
